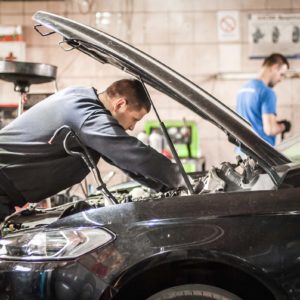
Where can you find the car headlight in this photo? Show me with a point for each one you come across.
(53, 244)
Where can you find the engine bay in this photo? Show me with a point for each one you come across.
(227, 177)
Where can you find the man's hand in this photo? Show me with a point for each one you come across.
(287, 125)
(271, 126)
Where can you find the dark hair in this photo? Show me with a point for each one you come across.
(276, 58)
(132, 90)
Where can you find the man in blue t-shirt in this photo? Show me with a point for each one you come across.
(256, 100)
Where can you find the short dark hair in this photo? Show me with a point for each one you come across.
(276, 58)
(132, 90)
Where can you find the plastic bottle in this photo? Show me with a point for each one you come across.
(143, 137)
(156, 140)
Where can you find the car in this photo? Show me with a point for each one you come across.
(232, 234)
(290, 148)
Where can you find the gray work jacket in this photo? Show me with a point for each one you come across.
(39, 170)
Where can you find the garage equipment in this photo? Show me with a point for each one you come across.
(7, 113)
(23, 74)
(185, 137)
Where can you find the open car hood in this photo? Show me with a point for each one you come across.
(108, 49)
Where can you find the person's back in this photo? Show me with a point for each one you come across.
(256, 100)
(253, 100)
(25, 154)
(31, 169)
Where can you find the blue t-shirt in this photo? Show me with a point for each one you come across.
(253, 100)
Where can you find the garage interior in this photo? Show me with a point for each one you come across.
(228, 230)
(217, 55)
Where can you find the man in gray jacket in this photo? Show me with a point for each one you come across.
(31, 169)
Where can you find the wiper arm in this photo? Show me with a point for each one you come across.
(169, 141)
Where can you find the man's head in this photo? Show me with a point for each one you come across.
(127, 102)
(275, 67)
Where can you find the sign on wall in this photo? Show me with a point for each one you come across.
(228, 26)
(12, 45)
(269, 33)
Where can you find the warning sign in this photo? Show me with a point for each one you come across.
(228, 26)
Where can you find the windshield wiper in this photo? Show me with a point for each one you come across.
(169, 141)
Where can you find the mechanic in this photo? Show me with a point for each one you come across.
(31, 169)
(256, 100)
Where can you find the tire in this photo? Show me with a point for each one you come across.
(194, 292)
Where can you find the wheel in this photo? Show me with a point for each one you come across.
(194, 292)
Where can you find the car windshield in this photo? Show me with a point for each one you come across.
(291, 148)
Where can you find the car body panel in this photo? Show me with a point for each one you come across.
(229, 229)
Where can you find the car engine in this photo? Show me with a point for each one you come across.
(227, 177)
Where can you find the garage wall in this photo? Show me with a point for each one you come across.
(181, 33)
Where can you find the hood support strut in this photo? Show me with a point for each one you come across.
(169, 141)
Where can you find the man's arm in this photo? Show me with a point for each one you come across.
(155, 185)
(103, 134)
(271, 126)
